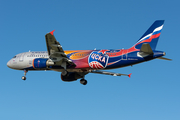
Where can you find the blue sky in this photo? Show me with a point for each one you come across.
(151, 93)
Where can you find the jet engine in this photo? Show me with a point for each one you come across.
(41, 63)
(71, 76)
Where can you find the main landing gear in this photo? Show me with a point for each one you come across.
(83, 81)
(24, 77)
(64, 73)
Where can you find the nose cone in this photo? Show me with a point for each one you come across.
(9, 64)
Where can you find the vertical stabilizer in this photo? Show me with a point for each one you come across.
(151, 36)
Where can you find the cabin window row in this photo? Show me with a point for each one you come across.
(88, 54)
(37, 56)
(80, 54)
(111, 53)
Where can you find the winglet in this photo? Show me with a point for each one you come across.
(52, 32)
(129, 75)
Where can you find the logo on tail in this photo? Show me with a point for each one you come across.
(151, 36)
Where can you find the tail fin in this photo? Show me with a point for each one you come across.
(151, 36)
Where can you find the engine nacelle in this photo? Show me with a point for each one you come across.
(41, 63)
(72, 76)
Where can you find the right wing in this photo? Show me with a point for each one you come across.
(56, 52)
(109, 73)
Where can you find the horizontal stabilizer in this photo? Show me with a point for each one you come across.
(163, 58)
(146, 48)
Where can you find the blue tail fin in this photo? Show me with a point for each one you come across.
(151, 36)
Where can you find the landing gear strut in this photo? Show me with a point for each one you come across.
(24, 77)
(64, 73)
(83, 81)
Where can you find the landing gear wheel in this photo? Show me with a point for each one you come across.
(83, 81)
(23, 78)
(64, 73)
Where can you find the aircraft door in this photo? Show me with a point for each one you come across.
(21, 58)
(124, 54)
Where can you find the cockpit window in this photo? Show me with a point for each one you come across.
(14, 57)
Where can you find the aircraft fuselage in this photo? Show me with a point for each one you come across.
(84, 59)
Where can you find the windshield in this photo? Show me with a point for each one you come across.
(14, 57)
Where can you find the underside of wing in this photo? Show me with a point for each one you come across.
(109, 73)
(56, 52)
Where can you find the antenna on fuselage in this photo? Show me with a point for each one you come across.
(29, 50)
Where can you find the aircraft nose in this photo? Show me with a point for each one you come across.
(9, 64)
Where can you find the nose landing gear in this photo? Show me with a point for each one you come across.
(24, 77)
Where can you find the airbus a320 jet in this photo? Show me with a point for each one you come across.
(75, 64)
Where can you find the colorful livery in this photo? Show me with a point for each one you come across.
(75, 64)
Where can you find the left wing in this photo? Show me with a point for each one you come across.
(110, 73)
(56, 52)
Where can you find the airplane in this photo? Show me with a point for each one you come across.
(75, 64)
